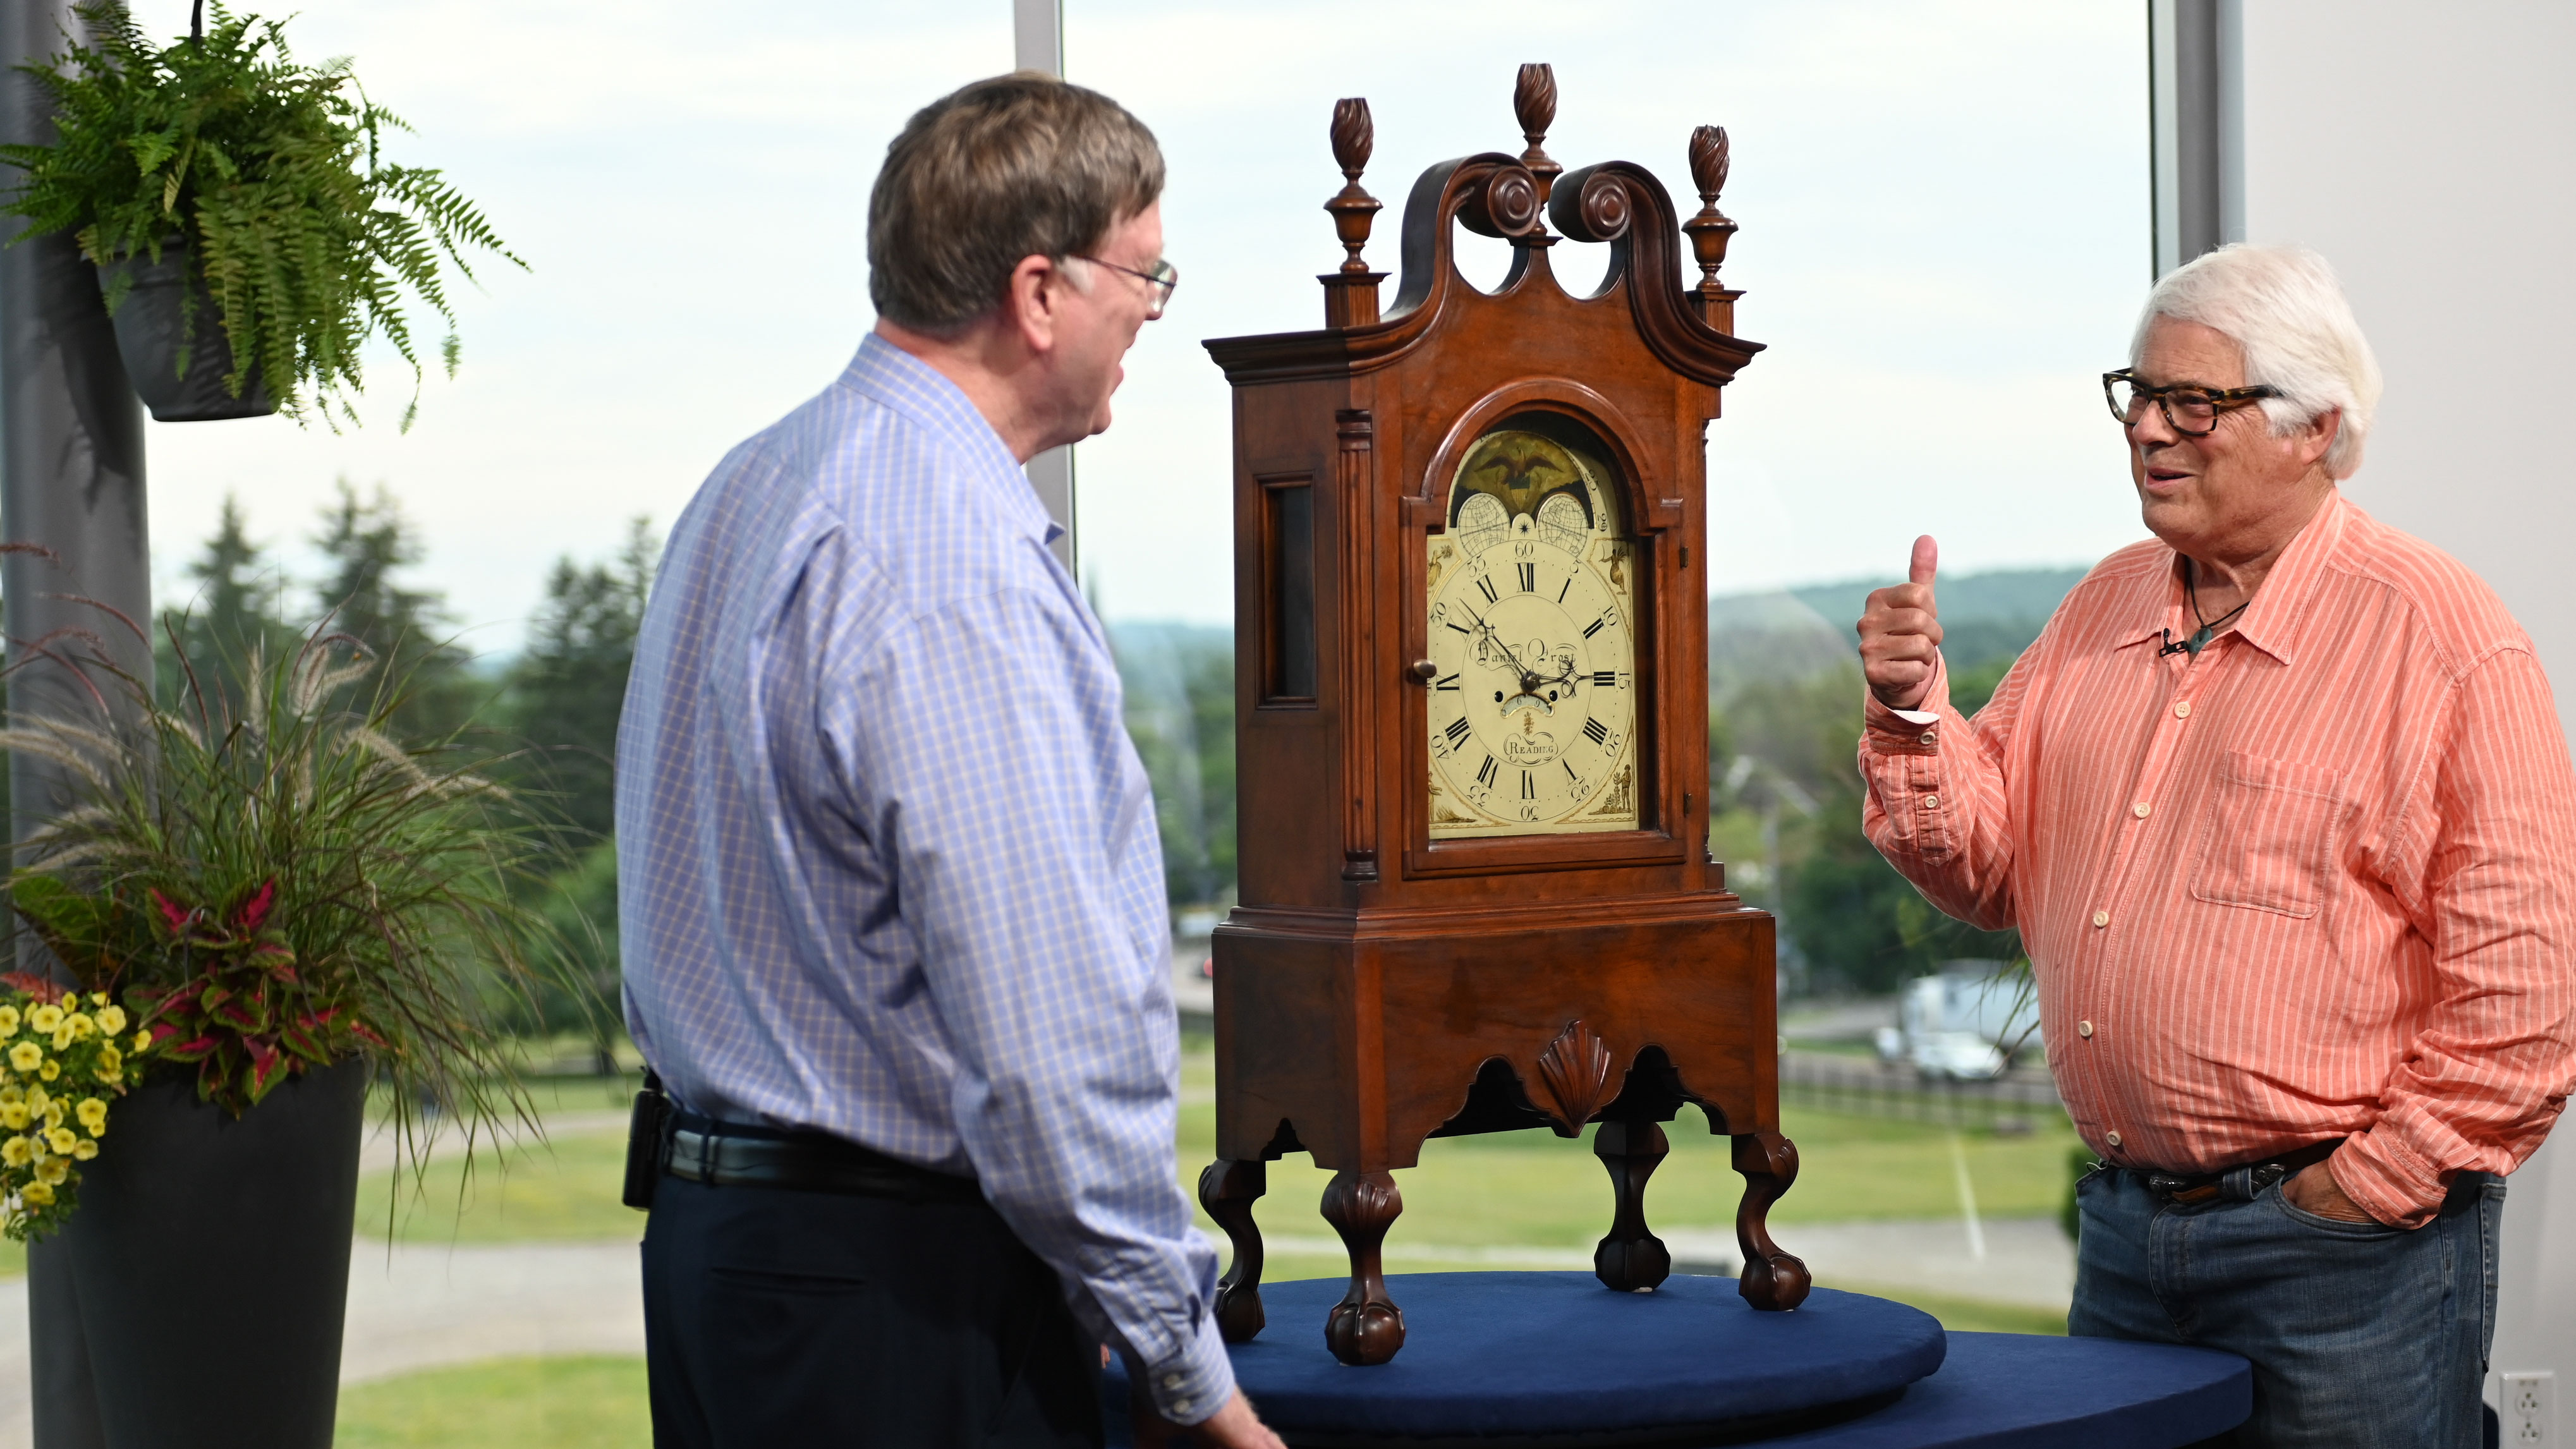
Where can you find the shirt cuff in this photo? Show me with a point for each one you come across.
(2387, 1179)
(1909, 731)
(1190, 1386)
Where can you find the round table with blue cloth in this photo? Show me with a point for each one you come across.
(1556, 1361)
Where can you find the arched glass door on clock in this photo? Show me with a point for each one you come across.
(1531, 599)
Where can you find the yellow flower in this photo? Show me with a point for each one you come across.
(98, 998)
(109, 1058)
(91, 1111)
(62, 1139)
(38, 1100)
(143, 1041)
(45, 1018)
(36, 1194)
(82, 1027)
(14, 1116)
(64, 1036)
(8, 1021)
(16, 1151)
(54, 1113)
(26, 1056)
(51, 1170)
(50, 1070)
(84, 1151)
(111, 1019)
(110, 1075)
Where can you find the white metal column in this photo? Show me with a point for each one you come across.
(1037, 43)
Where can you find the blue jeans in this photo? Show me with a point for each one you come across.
(2362, 1336)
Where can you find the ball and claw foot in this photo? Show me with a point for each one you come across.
(1227, 1189)
(1365, 1327)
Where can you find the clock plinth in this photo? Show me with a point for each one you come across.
(1471, 724)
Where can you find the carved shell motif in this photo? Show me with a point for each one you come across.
(1576, 1068)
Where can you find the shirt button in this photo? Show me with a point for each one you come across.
(1180, 1406)
(1171, 1381)
(2101, 918)
(2084, 1028)
(2112, 1138)
(2142, 809)
(1929, 738)
(1931, 802)
(2182, 709)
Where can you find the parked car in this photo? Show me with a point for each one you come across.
(1965, 1024)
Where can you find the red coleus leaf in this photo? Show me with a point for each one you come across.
(253, 912)
(267, 1065)
(35, 986)
(304, 1044)
(171, 911)
(364, 1033)
(190, 1051)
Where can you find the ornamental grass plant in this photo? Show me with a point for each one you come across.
(269, 174)
(270, 883)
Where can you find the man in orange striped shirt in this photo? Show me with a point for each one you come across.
(2281, 806)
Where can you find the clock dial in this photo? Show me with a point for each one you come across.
(1532, 611)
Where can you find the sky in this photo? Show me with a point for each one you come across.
(1944, 212)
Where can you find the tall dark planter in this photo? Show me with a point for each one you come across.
(149, 332)
(210, 1259)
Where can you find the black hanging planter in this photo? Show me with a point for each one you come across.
(149, 329)
(210, 1262)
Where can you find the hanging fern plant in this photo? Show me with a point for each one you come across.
(269, 176)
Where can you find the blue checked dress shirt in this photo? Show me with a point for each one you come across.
(887, 862)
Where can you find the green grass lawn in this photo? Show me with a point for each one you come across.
(524, 1403)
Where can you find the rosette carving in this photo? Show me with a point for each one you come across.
(1576, 1069)
(1507, 205)
(1596, 210)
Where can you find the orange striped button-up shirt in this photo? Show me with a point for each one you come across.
(2314, 883)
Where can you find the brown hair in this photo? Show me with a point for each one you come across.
(1017, 166)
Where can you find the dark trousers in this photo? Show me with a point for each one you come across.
(776, 1317)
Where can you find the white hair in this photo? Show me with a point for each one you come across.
(2284, 308)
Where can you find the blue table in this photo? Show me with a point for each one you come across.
(1555, 1361)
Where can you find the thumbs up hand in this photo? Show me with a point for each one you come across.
(1900, 633)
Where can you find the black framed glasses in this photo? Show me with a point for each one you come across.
(1159, 283)
(2189, 408)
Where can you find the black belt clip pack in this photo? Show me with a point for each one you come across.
(2243, 1183)
(648, 1143)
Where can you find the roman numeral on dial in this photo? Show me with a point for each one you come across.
(1605, 679)
(1486, 772)
(1529, 787)
(1448, 682)
(1593, 731)
(1485, 586)
(1457, 730)
(1597, 625)
(1529, 578)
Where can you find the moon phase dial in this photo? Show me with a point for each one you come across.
(1533, 699)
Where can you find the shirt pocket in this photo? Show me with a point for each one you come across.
(2269, 839)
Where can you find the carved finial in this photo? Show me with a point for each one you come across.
(1710, 229)
(1534, 102)
(1350, 296)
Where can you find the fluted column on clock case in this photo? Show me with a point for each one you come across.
(1352, 480)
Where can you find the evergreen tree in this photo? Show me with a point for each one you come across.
(366, 542)
(235, 613)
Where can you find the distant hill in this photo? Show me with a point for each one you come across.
(1783, 636)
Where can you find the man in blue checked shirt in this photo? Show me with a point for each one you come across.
(892, 900)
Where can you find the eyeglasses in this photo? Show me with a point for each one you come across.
(1158, 283)
(2189, 409)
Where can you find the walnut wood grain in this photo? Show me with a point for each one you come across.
(1227, 1189)
(1772, 1280)
(1365, 1327)
(1630, 1258)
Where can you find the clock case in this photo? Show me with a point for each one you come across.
(1373, 988)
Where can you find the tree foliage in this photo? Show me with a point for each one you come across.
(270, 174)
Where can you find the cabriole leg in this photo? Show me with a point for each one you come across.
(1227, 1189)
(1631, 1258)
(1773, 1280)
(1365, 1327)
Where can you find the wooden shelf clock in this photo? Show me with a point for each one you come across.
(1472, 722)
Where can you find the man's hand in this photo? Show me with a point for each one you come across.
(1233, 1427)
(2314, 1190)
(1900, 634)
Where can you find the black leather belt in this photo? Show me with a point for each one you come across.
(727, 1154)
(2242, 1182)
